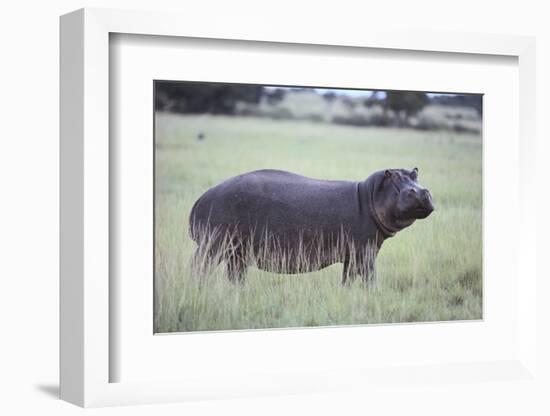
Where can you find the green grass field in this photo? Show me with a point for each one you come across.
(431, 271)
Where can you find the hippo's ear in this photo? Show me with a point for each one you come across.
(387, 173)
(414, 173)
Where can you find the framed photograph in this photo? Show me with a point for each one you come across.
(279, 214)
(268, 247)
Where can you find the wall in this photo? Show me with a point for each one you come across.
(29, 204)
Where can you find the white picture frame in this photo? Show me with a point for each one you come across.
(85, 355)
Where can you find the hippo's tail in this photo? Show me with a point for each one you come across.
(200, 228)
(193, 222)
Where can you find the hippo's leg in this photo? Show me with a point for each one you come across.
(345, 272)
(201, 263)
(348, 272)
(235, 257)
(236, 267)
(368, 269)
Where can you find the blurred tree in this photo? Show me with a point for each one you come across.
(275, 96)
(329, 96)
(373, 99)
(405, 104)
(203, 97)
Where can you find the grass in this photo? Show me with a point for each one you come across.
(431, 271)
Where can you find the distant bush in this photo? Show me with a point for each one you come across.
(354, 120)
(202, 97)
(474, 101)
(279, 114)
(460, 113)
(446, 117)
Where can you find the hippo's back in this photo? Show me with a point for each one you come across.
(278, 202)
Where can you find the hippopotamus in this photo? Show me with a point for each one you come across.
(283, 222)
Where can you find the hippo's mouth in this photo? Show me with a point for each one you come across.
(423, 211)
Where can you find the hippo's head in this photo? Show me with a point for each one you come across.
(397, 199)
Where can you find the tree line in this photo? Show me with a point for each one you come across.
(223, 98)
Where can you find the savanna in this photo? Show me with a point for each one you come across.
(431, 271)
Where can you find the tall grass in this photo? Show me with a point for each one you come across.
(431, 271)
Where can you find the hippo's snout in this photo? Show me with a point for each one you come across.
(427, 202)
